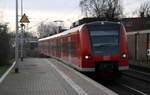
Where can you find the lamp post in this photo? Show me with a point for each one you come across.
(22, 25)
(22, 42)
(16, 40)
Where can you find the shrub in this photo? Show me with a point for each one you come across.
(4, 45)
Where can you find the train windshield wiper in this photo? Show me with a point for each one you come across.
(104, 44)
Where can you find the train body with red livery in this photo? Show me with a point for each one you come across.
(99, 46)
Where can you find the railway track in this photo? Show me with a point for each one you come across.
(133, 90)
(134, 83)
(135, 86)
(143, 76)
(125, 89)
(131, 83)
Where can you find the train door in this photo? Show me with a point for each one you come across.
(54, 47)
(61, 48)
(69, 49)
(47, 48)
(58, 50)
(49, 45)
(65, 48)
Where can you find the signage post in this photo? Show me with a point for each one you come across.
(24, 19)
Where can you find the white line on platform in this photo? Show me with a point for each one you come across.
(101, 87)
(134, 89)
(6, 73)
(76, 87)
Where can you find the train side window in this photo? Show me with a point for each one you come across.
(65, 47)
(56, 46)
(69, 46)
(75, 51)
(73, 48)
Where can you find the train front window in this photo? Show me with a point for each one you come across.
(105, 39)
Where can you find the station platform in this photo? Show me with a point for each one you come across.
(41, 76)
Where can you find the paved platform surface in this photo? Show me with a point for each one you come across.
(49, 77)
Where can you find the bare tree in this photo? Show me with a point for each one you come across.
(109, 9)
(144, 10)
(114, 9)
(93, 7)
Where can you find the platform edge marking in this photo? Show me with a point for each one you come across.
(7, 72)
(76, 87)
(103, 88)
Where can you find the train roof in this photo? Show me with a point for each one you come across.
(103, 23)
(61, 34)
(78, 27)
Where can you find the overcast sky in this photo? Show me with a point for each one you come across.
(50, 10)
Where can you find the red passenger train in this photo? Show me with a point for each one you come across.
(99, 46)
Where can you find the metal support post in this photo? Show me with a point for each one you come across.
(22, 42)
(16, 39)
(22, 31)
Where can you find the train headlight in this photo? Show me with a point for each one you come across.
(124, 55)
(87, 57)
